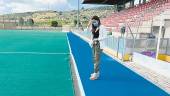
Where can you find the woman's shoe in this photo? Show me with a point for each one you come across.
(94, 76)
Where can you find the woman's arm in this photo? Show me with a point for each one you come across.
(89, 24)
(97, 29)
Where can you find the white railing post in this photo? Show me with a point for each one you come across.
(159, 37)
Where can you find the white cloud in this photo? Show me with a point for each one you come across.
(17, 6)
(52, 1)
(2, 8)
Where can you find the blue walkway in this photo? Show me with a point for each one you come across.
(115, 80)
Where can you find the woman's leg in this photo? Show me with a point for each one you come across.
(97, 57)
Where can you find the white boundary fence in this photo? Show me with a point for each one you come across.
(128, 45)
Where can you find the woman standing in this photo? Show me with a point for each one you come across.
(95, 25)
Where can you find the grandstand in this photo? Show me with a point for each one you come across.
(142, 23)
(141, 16)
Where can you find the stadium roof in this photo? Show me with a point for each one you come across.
(107, 2)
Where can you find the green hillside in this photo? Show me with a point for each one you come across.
(44, 18)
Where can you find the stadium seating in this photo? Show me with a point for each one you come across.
(137, 15)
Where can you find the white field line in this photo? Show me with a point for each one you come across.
(82, 93)
(35, 53)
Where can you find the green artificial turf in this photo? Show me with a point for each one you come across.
(37, 74)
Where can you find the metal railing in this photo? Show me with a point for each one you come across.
(128, 46)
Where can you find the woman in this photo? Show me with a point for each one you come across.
(95, 25)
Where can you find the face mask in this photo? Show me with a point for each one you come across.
(95, 23)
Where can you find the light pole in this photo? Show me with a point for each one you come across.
(48, 7)
(78, 13)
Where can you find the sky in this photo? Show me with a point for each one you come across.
(18, 6)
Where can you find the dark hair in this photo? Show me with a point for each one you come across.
(96, 18)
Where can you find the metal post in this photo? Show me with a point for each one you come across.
(133, 47)
(152, 26)
(124, 47)
(159, 37)
(15, 22)
(118, 47)
(134, 42)
(3, 22)
(146, 47)
(48, 7)
(167, 45)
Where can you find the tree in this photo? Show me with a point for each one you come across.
(82, 8)
(60, 13)
(54, 24)
(75, 22)
(30, 22)
(21, 21)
